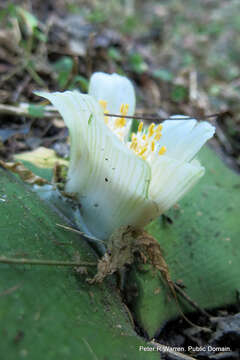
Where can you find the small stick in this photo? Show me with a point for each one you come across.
(80, 233)
(190, 301)
(167, 349)
(22, 110)
(5, 260)
(50, 112)
(20, 88)
(151, 118)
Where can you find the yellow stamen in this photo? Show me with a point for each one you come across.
(162, 150)
(106, 117)
(126, 108)
(151, 130)
(140, 126)
(134, 145)
(120, 122)
(144, 137)
(157, 136)
(133, 137)
(103, 104)
(122, 108)
(153, 145)
(144, 149)
(159, 128)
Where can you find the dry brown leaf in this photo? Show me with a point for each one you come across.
(42, 157)
(24, 173)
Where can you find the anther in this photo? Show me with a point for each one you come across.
(159, 128)
(133, 137)
(153, 145)
(140, 126)
(157, 136)
(103, 103)
(120, 122)
(151, 130)
(142, 151)
(162, 150)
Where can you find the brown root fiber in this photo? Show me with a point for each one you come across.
(124, 246)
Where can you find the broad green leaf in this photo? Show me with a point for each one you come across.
(201, 248)
(52, 312)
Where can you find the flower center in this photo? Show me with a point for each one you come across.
(118, 125)
(145, 143)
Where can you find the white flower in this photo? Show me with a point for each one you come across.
(120, 181)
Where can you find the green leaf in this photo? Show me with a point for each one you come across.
(201, 248)
(114, 54)
(179, 93)
(29, 19)
(137, 63)
(40, 35)
(52, 310)
(97, 16)
(130, 24)
(163, 74)
(63, 67)
(81, 81)
(36, 110)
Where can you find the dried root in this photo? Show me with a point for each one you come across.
(124, 246)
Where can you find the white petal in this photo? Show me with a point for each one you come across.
(171, 179)
(110, 180)
(184, 138)
(115, 89)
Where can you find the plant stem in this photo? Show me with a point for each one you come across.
(5, 260)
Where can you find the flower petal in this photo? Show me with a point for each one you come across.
(171, 179)
(184, 138)
(114, 89)
(110, 180)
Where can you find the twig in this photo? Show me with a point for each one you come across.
(193, 92)
(50, 112)
(22, 110)
(23, 84)
(157, 118)
(5, 260)
(80, 233)
(35, 76)
(15, 71)
(224, 140)
(167, 350)
(190, 301)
